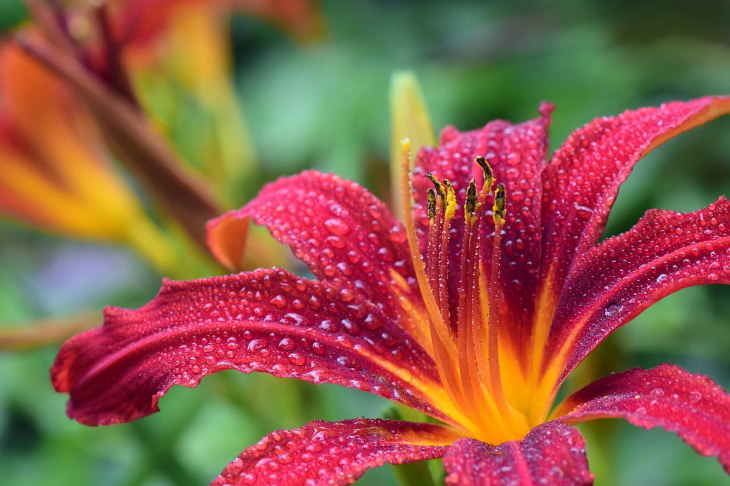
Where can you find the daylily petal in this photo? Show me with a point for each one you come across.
(182, 193)
(517, 155)
(615, 281)
(552, 453)
(693, 406)
(54, 174)
(584, 175)
(334, 453)
(267, 320)
(344, 233)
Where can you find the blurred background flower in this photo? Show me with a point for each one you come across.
(318, 98)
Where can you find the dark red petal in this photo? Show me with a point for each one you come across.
(267, 320)
(333, 453)
(552, 453)
(612, 283)
(584, 175)
(693, 406)
(517, 155)
(344, 233)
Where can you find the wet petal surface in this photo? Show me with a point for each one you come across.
(691, 405)
(333, 453)
(268, 320)
(611, 284)
(552, 453)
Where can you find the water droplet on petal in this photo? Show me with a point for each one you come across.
(695, 396)
(287, 344)
(346, 295)
(612, 309)
(279, 301)
(337, 227)
(297, 359)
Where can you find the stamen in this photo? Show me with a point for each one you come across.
(468, 314)
(499, 212)
(442, 342)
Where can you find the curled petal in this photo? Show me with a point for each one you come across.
(552, 453)
(584, 175)
(343, 232)
(611, 284)
(693, 406)
(517, 154)
(269, 321)
(334, 453)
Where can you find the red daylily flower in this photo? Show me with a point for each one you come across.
(470, 315)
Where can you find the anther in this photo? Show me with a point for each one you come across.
(431, 195)
(500, 203)
(488, 173)
(437, 185)
(470, 204)
(450, 200)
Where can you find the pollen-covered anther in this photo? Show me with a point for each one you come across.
(431, 196)
(500, 205)
(471, 203)
(488, 174)
(438, 186)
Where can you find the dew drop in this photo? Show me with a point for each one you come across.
(397, 234)
(695, 396)
(346, 295)
(297, 359)
(335, 242)
(318, 348)
(287, 344)
(657, 392)
(337, 227)
(661, 278)
(279, 301)
(612, 309)
(314, 303)
(329, 326)
(372, 322)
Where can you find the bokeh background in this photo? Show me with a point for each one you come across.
(324, 104)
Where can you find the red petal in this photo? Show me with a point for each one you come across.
(267, 320)
(344, 233)
(517, 155)
(583, 178)
(693, 406)
(552, 453)
(333, 452)
(611, 284)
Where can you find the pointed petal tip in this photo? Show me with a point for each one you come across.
(546, 109)
(691, 405)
